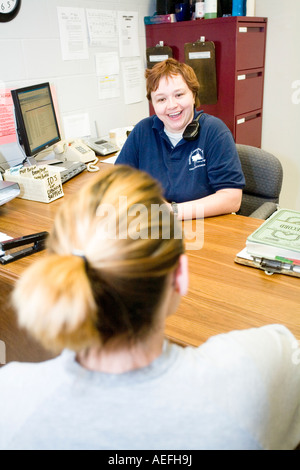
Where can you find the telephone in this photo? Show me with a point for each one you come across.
(75, 151)
(102, 147)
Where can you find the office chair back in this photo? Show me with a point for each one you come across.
(263, 174)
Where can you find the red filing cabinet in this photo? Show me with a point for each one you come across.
(240, 44)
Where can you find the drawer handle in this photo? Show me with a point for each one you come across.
(248, 118)
(253, 29)
(249, 75)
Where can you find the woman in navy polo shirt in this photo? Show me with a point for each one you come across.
(201, 177)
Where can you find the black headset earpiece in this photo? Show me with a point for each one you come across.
(192, 131)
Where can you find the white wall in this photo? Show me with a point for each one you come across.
(281, 115)
(30, 53)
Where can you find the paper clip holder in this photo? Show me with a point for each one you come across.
(36, 240)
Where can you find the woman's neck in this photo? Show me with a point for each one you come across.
(174, 137)
(118, 357)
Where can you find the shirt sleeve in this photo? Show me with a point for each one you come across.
(223, 163)
(129, 154)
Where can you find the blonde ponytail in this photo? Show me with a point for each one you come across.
(115, 286)
(55, 303)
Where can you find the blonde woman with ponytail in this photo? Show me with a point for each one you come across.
(102, 288)
(114, 270)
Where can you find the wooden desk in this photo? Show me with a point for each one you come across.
(222, 296)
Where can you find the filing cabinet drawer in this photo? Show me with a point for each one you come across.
(248, 129)
(250, 51)
(249, 91)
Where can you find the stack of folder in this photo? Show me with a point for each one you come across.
(275, 245)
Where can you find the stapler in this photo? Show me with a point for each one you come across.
(37, 242)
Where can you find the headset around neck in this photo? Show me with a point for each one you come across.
(192, 131)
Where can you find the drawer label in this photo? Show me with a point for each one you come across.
(199, 55)
(158, 58)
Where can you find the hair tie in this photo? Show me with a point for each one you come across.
(80, 254)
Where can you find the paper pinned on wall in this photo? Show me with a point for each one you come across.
(76, 126)
(133, 78)
(7, 120)
(128, 34)
(102, 27)
(108, 70)
(73, 38)
(109, 87)
(107, 63)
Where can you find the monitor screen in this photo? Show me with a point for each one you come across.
(36, 120)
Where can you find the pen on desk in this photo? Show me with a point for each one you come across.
(287, 263)
(287, 260)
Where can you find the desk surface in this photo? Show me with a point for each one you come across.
(222, 296)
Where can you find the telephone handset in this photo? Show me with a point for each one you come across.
(75, 151)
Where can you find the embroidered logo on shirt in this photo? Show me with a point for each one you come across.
(196, 159)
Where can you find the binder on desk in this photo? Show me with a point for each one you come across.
(157, 54)
(201, 56)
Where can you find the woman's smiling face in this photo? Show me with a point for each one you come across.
(173, 103)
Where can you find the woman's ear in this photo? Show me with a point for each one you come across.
(182, 276)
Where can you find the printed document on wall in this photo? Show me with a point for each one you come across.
(73, 33)
(102, 26)
(107, 63)
(108, 73)
(128, 34)
(109, 87)
(7, 121)
(134, 83)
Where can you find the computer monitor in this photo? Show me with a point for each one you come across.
(36, 121)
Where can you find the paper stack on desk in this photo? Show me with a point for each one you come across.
(37, 183)
(275, 245)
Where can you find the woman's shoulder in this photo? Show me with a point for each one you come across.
(145, 123)
(212, 121)
(213, 128)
